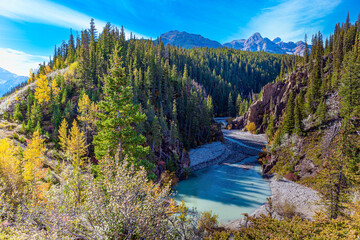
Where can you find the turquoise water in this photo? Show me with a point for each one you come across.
(227, 190)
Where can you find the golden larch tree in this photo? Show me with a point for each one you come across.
(63, 135)
(9, 161)
(42, 92)
(76, 146)
(55, 88)
(33, 162)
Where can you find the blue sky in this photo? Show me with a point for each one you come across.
(29, 29)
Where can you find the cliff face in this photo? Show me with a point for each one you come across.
(273, 101)
(295, 157)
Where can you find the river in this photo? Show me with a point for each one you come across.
(234, 185)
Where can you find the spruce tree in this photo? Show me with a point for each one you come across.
(298, 126)
(238, 104)
(270, 128)
(289, 121)
(321, 111)
(117, 136)
(231, 107)
(350, 87)
(156, 133)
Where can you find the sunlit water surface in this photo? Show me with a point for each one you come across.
(227, 190)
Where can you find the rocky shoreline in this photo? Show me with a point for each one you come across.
(237, 146)
(288, 198)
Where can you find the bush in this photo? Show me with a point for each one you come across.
(22, 139)
(285, 209)
(207, 221)
(251, 127)
(15, 136)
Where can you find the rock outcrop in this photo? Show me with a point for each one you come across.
(273, 101)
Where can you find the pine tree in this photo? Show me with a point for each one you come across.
(306, 51)
(117, 136)
(71, 49)
(156, 133)
(17, 115)
(210, 106)
(289, 121)
(238, 104)
(231, 107)
(270, 128)
(321, 111)
(298, 125)
(350, 87)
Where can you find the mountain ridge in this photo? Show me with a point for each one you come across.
(9, 80)
(254, 43)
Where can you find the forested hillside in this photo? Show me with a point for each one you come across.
(93, 143)
(311, 118)
(178, 90)
(102, 104)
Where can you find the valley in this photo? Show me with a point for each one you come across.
(117, 137)
(225, 178)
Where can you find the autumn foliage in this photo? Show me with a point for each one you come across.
(251, 127)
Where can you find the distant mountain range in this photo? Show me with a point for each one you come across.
(9, 80)
(254, 43)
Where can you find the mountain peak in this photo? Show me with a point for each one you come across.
(254, 43)
(188, 40)
(256, 37)
(277, 40)
(9, 80)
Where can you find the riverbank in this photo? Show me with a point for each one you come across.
(237, 146)
(239, 150)
(225, 178)
(288, 198)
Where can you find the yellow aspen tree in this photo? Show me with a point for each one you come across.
(55, 88)
(33, 162)
(42, 92)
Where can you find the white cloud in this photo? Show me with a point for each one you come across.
(46, 12)
(291, 19)
(18, 62)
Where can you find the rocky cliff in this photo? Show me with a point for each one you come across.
(295, 157)
(273, 101)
